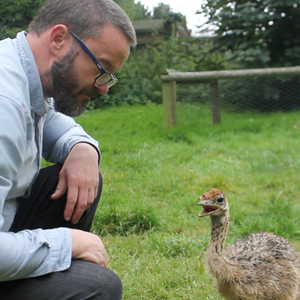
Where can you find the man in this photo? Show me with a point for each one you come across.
(48, 75)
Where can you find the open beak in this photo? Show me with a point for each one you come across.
(208, 208)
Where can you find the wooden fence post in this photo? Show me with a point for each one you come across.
(169, 103)
(215, 102)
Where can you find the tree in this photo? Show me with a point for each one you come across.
(257, 33)
(160, 11)
(16, 15)
(141, 11)
(128, 6)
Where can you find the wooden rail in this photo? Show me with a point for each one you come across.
(169, 78)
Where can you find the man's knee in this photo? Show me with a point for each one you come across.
(83, 280)
(100, 283)
(111, 287)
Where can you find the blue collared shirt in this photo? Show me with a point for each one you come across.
(29, 129)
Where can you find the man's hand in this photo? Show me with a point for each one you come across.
(88, 246)
(80, 177)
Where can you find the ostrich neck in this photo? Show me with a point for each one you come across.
(219, 228)
(217, 262)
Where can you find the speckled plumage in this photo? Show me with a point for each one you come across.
(261, 266)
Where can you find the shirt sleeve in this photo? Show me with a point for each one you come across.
(61, 133)
(31, 253)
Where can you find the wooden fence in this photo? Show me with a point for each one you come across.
(170, 77)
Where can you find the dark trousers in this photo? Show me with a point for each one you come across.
(83, 280)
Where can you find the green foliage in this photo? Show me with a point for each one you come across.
(257, 33)
(139, 80)
(172, 20)
(16, 15)
(160, 11)
(205, 58)
(141, 11)
(128, 6)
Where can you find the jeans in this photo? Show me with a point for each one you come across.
(83, 280)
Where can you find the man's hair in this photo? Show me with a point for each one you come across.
(84, 17)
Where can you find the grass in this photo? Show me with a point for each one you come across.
(148, 216)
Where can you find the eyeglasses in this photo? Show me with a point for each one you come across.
(104, 76)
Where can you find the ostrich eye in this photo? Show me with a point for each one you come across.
(220, 200)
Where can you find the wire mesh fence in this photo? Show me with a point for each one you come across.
(263, 94)
(269, 94)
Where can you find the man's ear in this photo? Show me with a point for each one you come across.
(60, 40)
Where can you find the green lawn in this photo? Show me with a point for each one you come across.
(148, 216)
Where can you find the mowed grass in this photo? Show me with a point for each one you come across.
(148, 215)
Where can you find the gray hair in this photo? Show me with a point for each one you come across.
(84, 17)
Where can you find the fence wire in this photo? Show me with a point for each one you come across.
(262, 94)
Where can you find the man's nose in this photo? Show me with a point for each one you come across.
(103, 89)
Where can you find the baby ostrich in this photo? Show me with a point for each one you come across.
(262, 266)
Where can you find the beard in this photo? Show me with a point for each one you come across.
(61, 81)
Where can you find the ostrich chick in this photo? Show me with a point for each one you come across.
(261, 266)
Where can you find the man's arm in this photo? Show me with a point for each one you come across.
(60, 135)
(31, 253)
(79, 176)
(66, 142)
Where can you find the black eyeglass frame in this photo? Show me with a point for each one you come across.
(112, 78)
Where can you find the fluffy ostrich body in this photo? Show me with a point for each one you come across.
(261, 266)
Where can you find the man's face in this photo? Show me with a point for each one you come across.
(70, 81)
(62, 80)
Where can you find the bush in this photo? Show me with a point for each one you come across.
(139, 80)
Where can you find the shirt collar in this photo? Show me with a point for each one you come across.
(38, 104)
